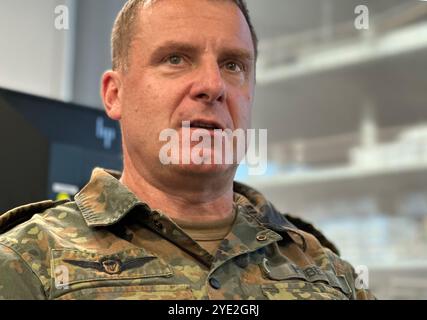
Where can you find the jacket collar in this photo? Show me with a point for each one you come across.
(105, 201)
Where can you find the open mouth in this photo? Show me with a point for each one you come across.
(205, 125)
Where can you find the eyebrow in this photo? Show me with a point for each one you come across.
(176, 46)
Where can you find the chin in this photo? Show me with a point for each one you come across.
(206, 169)
(205, 166)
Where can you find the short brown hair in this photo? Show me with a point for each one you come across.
(123, 31)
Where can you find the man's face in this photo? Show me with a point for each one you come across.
(189, 60)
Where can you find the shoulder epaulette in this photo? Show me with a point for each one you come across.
(308, 227)
(275, 220)
(13, 217)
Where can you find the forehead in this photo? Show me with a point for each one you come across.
(218, 21)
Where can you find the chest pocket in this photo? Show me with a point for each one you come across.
(128, 274)
(310, 283)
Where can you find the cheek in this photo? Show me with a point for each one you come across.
(246, 116)
(241, 110)
(142, 101)
(247, 104)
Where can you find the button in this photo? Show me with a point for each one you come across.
(242, 261)
(214, 282)
(261, 251)
(261, 237)
(158, 224)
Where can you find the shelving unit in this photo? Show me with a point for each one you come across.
(319, 85)
(415, 173)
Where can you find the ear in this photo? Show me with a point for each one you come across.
(111, 86)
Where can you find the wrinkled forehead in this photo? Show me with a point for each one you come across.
(149, 6)
(156, 15)
(147, 3)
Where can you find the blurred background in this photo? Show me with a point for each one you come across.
(341, 90)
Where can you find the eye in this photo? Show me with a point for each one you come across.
(174, 59)
(234, 66)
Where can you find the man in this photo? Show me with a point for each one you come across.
(178, 231)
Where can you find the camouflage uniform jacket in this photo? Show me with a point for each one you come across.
(109, 245)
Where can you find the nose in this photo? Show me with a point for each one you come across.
(209, 86)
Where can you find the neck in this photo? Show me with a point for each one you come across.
(184, 198)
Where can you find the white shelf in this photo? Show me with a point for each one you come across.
(399, 266)
(336, 174)
(364, 50)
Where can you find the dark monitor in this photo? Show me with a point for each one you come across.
(48, 148)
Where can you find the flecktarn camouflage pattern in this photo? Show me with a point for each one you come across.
(109, 245)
